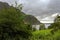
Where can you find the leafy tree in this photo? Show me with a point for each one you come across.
(12, 25)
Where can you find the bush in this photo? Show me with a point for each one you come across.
(12, 25)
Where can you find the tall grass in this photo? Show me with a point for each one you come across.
(46, 35)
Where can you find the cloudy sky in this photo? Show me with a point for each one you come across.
(39, 8)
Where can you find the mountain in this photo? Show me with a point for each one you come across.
(31, 20)
(4, 5)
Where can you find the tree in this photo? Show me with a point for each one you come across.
(12, 25)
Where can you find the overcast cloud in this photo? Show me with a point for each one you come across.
(38, 7)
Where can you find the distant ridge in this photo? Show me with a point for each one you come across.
(31, 20)
(4, 5)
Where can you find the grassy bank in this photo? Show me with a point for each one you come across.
(46, 35)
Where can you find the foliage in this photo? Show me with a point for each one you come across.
(46, 35)
(34, 29)
(57, 35)
(12, 25)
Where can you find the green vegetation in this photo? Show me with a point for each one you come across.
(46, 35)
(12, 26)
(41, 35)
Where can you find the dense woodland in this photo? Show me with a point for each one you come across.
(13, 25)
